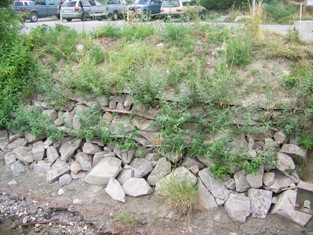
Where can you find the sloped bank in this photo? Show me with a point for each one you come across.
(142, 169)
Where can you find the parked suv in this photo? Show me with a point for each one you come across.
(145, 9)
(186, 9)
(116, 8)
(23, 3)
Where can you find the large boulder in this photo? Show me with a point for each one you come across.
(285, 208)
(136, 187)
(141, 167)
(206, 198)
(237, 207)
(107, 168)
(58, 169)
(215, 186)
(285, 163)
(298, 153)
(115, 190)
(162, 168)
(68, 148)
(260, 202)
(24, 154)
(281, 181)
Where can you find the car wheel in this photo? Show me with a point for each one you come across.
(146, 16)
(187, 17)
(202, 15)
(33, 17)
(114, 16)
(68, 20)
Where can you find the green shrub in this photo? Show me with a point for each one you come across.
(131, 33)
(126, 217)
(280, 11)
(98, 55)
(107, 31)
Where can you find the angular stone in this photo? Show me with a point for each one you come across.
(65, 179)
(47, 143)
(215, 186)
(103, 101)
(125, 174)
(13, 137)
(90, 148)
(128, 103)
(79, 175)
(107, 168)
(58, 169)
(162, 168)
(51, 114)
(285, 163)
(241, 182)
(260, 202)
(136, 187)
(9, 158)
(174, 156)
(52, 154)
(76, 122)
(4, 139)
(144, 124)
(125, 156)
(115, 190)
(120, 106)
(295, 151)
(205, 161)
(280, 137)
(41, 167)
(108, 117)
(75, 167)
(153, 157)
(255, 181)
(141, 167)
(240, 143)
(80, 109)
(38, 151)
(84, 161)
(20, 142)
(268, 179)
(100, 155)
(230, 184)
(121, 127)
(112, 104)
(17, 168)
(190, 162)
(179, 173)
(24, 154)
(281, 181)
(285, 208)
(68, 149)
(269, 143)
(237, 207)
(262, 135)
(31, 138)
(206, 198)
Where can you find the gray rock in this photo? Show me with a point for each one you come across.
(240, 143)
(241, 182)
(65, 179)
(144, 124)
(262, 135)
(17, 168)
(136, 187)
(12, 183)
(281, 181)
(285, 208)
(174, 156)
(115, 190)
(255, 181)
(215, 186)
(121, 127)
(90, 148)
(268, 179)
(205, 161)
(298, 153)
(52, 154)
(38, 151)
(13, 137)
(152, 137)
(285, 163)
(84, 160)
(125, 156)
(20, 142)
(270, 144)
(47, 143)
(107, 168)
(100, 155)
(190, 162)
(107, 116)
(65, 119)
(125, 174)
(58, 169)
(260, 202)
(76, 122)
(112, 104)
(4, 139)
(24, 154)
(9, 158)
(280, 137)
(162, 168)
(205, 197)
(153, 157)
(141, 167)
(128, 103)
(79, 175)
(230, 184)
(103, 101)
(41, 167)
(51, 114)
(237, 207)
(75, 167)
(31, 138)
(68, 149)
(120, 106)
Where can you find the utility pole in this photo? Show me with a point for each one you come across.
(253, 8)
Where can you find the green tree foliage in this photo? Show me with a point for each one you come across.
(223, 4)
(5, 3)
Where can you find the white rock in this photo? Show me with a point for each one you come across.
(268, 179)
(255, 181)
(115, 190)
(60, 191)
(260, 202)
(52, 154)
(141, 167)
(285, 163)
(65, 179)
(68, 148)
(125, 174)
(136, 187)
(241, 182)
(84, 160)
(90, 148)
(206, 198)
(162, 168)
(58, 169)
(237, 207)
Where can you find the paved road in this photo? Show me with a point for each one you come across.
(90, 25)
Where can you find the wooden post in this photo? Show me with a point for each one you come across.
(301, 6)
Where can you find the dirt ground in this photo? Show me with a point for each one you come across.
(100, 212)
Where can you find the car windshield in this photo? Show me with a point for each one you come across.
(124, 2)
(189, 3)
(171, 3)
(31, 3)
(143, 2)
(69, 4)
(18, 4)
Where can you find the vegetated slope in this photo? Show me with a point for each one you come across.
(204, 79)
